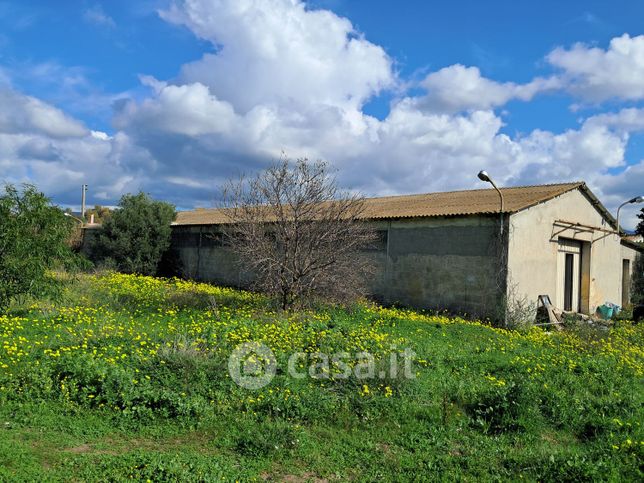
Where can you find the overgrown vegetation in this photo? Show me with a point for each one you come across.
(136, 235)
(637, 285)
(127, 379)
(34, 238)
(100, 214)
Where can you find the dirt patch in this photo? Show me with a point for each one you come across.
(86, 448)
(83, 448)
(304, 477)
(198, 441)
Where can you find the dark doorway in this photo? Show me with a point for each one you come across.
(568, 281)
(626, 282)
(572, 263)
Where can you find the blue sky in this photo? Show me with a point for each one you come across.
(172, 97)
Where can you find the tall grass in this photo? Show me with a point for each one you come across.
(127, 377)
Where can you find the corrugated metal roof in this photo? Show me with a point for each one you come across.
(451, 203)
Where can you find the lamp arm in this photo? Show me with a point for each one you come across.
(72, 216)
(502, 203)
(500, 194)
(618, 209)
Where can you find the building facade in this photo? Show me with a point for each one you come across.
(458, 251)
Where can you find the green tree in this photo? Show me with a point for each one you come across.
(637, 289)
(101, 214)
(638, 269)
(136, 235)
(33, 242)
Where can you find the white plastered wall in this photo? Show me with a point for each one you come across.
(533, 248)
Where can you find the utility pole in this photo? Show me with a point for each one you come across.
(83, 193)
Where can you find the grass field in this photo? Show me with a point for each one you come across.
(127, 377)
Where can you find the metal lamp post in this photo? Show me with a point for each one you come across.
(83, 195)
(637, 199)
(72, 216)
(483, 176)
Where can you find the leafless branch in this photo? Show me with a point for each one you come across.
(298, 235)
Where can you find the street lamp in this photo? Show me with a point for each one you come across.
(83, 195)
(72, 216)
(483, 176)
(637, 199)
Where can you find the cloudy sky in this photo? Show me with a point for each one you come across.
(174, 97)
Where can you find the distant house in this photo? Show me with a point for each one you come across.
(634, 238)
(456, 251)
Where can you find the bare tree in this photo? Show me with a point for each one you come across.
(298, 235)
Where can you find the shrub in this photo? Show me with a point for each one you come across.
(33, 241)
(637, 295)
(136, 236)
(265, 439)
(498, 409)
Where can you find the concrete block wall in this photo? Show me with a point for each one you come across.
(202, 256)
(442, 263)
(434, 263)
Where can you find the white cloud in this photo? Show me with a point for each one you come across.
(458, 87)
(278, 52)
(626, 120)
(574, 155)
(25, 114)
(618, 188)
(214, 121)
(97, 16)
(100, 135)
(286, 79)
(58, 166)
(197, 144)
(596, 74)
(187, 109)
(42, 145)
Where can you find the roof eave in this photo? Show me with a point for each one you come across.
(546, 199)
(599, 206)
(586, 191)
(634, 245)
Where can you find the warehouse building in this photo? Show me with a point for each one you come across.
(458, 251)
